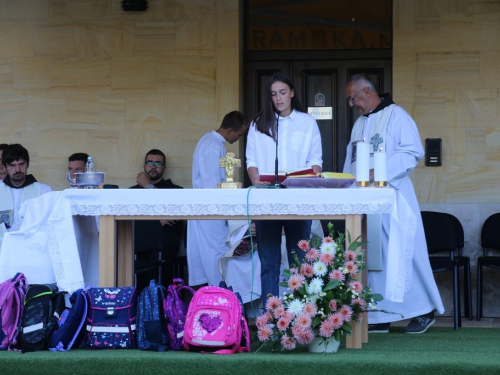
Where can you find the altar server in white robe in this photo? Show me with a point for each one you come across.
(206, 242)
(389, 127)
(15, 189)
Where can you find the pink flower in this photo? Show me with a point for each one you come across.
(360, 302)
(288, 315)
(282, 324)
(336, 275)
(327, 239)
(305, 337)
(326, 329)
(268, 315)
(261, 321)
(356, 286)
(279, 311)
(310, 309)
(297, 330)
(288, 343)
(303, 320)
(327, 258)
(350, 255)
(264, 333)
(336, 320)
(333, 305)
(294, 270)
(312, 255)
(295, 282)
(303, 245)
(346, 313)
(360, 317)
(272, 303)
(306, 270)
(351, 267)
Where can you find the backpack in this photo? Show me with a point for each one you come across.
(69, 327)
(175, 312)
(43, 306)
(152, 332)
(111, 318)
(214, 323)
(12, 293)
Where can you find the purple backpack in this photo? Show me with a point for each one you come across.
(12, 293)
(175, 312)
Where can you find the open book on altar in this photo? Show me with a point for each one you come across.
(270, 176)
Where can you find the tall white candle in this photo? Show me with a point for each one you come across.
(362, 161)
(380, 165)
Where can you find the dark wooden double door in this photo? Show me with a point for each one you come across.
(319, 84)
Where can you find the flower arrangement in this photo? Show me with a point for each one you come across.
(325, 295)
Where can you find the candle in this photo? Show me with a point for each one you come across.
(362, 163)
(380, 165)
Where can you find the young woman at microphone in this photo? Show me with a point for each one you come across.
(282, 136)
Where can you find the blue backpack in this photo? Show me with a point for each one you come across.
(152, 330)
(70, 323)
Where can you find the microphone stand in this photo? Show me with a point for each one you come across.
(277, 185)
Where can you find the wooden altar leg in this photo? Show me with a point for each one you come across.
(107, 253)
(125, 253)
(353, 226)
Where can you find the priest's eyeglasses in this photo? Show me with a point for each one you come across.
(150, 163)
(351, 98)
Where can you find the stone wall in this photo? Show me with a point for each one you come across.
(447, 76)
(85, 76)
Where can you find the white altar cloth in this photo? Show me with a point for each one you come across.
(201, 204)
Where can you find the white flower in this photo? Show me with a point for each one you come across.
(320, 269)
(295, 307)
(328, 247)
(315, 286)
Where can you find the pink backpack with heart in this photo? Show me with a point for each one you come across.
(215, 323)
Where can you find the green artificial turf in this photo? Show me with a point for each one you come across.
(438, 351)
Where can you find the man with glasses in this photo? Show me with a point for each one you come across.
(152, 178)
(389, 127)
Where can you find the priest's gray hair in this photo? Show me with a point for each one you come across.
(365, 80)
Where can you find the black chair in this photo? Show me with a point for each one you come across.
(444, 233)
(490, 239)
(149, 243)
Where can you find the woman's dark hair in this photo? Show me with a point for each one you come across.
(265, 120)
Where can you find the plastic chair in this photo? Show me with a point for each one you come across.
(148, 238)
(490, 239)
(444, 233)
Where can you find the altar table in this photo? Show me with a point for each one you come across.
(118, 207)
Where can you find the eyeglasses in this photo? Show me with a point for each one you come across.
(351, 98)
(150, 163)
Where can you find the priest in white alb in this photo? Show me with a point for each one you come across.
(406, 280)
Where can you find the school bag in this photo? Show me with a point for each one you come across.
(175, 311)
(69, 327)
(215, 324)
(43, 306)
(12, 293)
(111, 318)
(152, 331)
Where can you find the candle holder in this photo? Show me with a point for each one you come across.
(380, 183)
(363, 183)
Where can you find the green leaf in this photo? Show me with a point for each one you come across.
(287, 273)
(332, 284)
(302, 289)
(377, 297)
(347, 327)
(283, 284)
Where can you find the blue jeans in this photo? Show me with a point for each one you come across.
(269, 249)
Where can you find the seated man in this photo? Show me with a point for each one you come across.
(17, 187)
(152, 178)
(76, 164)
(3, 171)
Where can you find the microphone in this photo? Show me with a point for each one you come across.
(276, 183)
